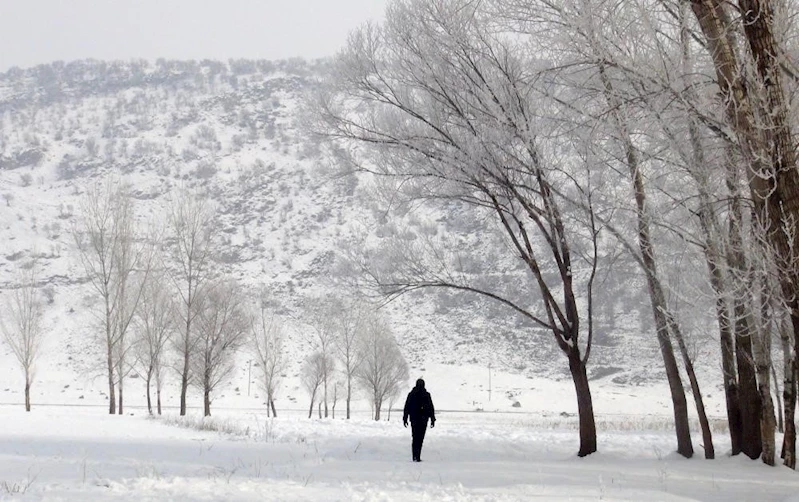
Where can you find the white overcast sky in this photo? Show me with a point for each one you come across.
(42, 31)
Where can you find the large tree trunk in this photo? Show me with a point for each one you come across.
(158, 400)
(710, 228)
(585, 405)
(761, 348)
(207, 401)
(310, 410)
(730, 380)
(788, 395)
(121, 372)
(659, 307)
(120, 385)
(149, 401)
(778, 400)
(649, 263)
(184, 382)
(777, 199)
(769, 152)
(326, 411)
(713, 258)
(791, 396)
(704, 424)
(679, 403)
(27, 394)
(731, 388)
(751, 442)
(744, 324)
(272, 404)
(349, 395)
(207, 393)
(758, 23)
(112, 398)
(768, 421)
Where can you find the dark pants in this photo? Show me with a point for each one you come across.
(418, 429)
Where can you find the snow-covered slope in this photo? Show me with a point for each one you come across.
(230, 130)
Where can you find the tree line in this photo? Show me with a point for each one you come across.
(161, 305)
(582, 127)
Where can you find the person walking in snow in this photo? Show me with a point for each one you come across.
(419, 407)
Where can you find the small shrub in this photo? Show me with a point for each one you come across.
(205, 170)
(20, 488)
(207, 424)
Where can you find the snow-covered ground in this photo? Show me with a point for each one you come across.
(522, 447)
(79, 453)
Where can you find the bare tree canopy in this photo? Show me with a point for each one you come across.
(267, 339)
(323, 316)
(313, 374)
(445, 106)
(21, 324)
(221, 327)
(383, 371)
(351, 321)
(190, 247)
(117, 264)
(154, 322)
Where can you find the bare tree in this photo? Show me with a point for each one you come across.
(312, 375)
(135, 254)
(111, 257)
(392, 399)
(22, 325)
(346, 342)
(323, 316)
(190, 221)
(221, 328)
(336, 396)
(761, 353)
(154, 323)
(789, 381)
(445, 107)
(756, 108)
(267, 335)
(619, 95)
(383, 369)
(746, 42)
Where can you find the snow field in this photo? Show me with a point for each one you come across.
(57, 453)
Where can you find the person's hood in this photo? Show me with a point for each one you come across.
(420, 384)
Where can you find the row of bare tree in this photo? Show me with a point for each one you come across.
(142, 328)
(159, 306)
(361, 342)
(581, 127)
(158, 292)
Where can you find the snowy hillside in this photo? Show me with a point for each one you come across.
(230, 130)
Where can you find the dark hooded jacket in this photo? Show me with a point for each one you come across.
(419, 404)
